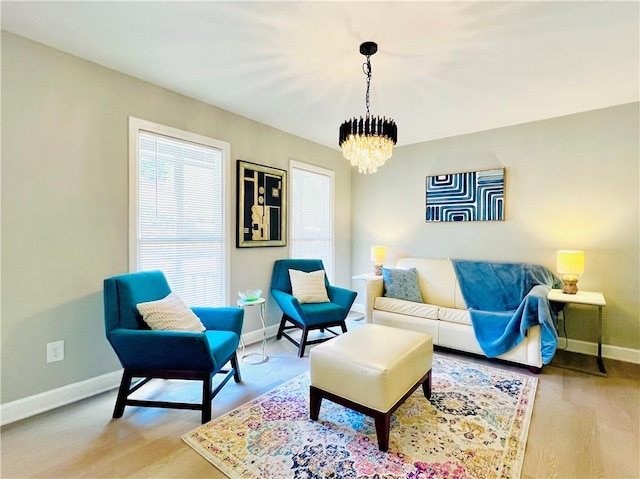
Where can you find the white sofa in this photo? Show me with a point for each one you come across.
(443, 315)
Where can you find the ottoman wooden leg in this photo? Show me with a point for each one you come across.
(383, 425)
(315, 400)
(426, 386)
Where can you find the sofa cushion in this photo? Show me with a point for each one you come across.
(401, 284)
(409, 308)
(437, 281)
(451, 315)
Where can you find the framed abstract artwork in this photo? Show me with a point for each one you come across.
(472, 196)
(262, 206)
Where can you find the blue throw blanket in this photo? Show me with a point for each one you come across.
(506, 299)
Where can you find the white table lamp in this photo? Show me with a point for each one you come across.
(570, 263)
(378, 254)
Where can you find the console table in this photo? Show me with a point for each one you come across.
(588, 298)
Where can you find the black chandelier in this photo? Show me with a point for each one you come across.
(368, 142)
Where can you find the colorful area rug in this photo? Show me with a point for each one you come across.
(475, 426)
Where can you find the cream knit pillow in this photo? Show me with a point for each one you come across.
(170, 313)
(308, 287)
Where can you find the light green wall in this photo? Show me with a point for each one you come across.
(65, 211)
(571, 183)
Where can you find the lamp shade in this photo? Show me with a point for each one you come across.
(570, 261)
(378, 254)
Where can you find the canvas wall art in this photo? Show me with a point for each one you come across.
(472, 196)
(262, 206)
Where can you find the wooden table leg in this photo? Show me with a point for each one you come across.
(383, 425)
(315, 400)
(426, 386)
(600, 362)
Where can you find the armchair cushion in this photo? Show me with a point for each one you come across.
(308, 287)
(170, 313)
(140, 349)
(317, 314)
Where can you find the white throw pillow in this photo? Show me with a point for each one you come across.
(308, 287)
(171, 314)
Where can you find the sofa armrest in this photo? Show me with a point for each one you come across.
(373, 288)
(534, 355)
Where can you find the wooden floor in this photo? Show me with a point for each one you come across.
(583, 426)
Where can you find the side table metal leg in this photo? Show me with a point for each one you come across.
(264, 357)
(600, 362)
(242, 343)
(601, 369)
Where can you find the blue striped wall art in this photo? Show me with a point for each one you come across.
(472, 196)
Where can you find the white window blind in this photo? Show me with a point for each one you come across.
(180, 215)
(312, 214)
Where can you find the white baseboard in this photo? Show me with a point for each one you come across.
(358, 308)
(627, 355)
(39, 403)
(256, 336)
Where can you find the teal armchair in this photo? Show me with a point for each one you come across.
(147, 354)
(308, 316)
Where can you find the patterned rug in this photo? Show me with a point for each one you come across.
(475, 426)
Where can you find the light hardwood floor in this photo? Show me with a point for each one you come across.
(582, 427)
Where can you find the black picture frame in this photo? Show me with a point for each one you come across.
(261, 206)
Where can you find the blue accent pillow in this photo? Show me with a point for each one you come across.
(401, 284)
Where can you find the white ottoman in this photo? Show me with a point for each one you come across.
(372, 369)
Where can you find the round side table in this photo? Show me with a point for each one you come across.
(260, 303)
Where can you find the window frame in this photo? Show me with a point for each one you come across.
(321, 171)
(135, 126)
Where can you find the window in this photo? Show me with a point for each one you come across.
(178, 210)
(312, 213)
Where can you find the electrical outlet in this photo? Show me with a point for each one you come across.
(55, 351)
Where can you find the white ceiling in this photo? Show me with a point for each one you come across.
(442, 69)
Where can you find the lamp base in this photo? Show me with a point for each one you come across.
(378, 270)
(569, 284)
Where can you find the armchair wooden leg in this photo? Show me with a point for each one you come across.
(206, 399)
(234, 364)
(343, 325)
(283, 321)
(303, 342)
(123, 392)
